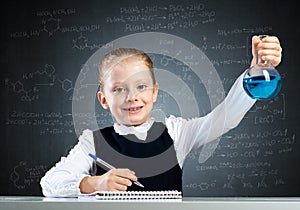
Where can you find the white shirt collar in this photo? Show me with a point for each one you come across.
(139, 131)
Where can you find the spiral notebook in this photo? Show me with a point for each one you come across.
(132, 195)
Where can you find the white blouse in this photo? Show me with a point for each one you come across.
(63, 179)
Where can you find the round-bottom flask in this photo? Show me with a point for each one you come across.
(262, 81)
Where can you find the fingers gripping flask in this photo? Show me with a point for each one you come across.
(262, 81)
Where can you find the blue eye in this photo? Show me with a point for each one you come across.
(119, 90)
(141, 87)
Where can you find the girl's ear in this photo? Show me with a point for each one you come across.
(155, 92)
(102, 100)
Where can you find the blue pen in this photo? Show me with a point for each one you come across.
(102, 162)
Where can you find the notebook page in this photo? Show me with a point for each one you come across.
(132, 195)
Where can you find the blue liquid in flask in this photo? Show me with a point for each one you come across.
(257, 87)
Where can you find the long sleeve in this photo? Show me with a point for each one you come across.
(63, 179)
(191, 134)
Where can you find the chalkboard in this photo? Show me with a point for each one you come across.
(49, 56)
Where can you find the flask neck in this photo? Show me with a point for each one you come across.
(260, 61)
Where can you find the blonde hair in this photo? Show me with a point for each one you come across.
(118, 55)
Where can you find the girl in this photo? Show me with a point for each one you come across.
(136, 144)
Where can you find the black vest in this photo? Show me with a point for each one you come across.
(153, 160)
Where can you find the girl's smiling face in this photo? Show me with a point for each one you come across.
(129, 92)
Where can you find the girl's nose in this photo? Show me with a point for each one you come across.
(132, 96)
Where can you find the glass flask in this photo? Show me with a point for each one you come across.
(262, 81)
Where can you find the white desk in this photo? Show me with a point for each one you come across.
(32, 203)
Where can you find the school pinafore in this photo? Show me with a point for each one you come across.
(153, 160)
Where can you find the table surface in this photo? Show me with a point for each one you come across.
(226, 203)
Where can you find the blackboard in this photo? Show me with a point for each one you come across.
(49, 55)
